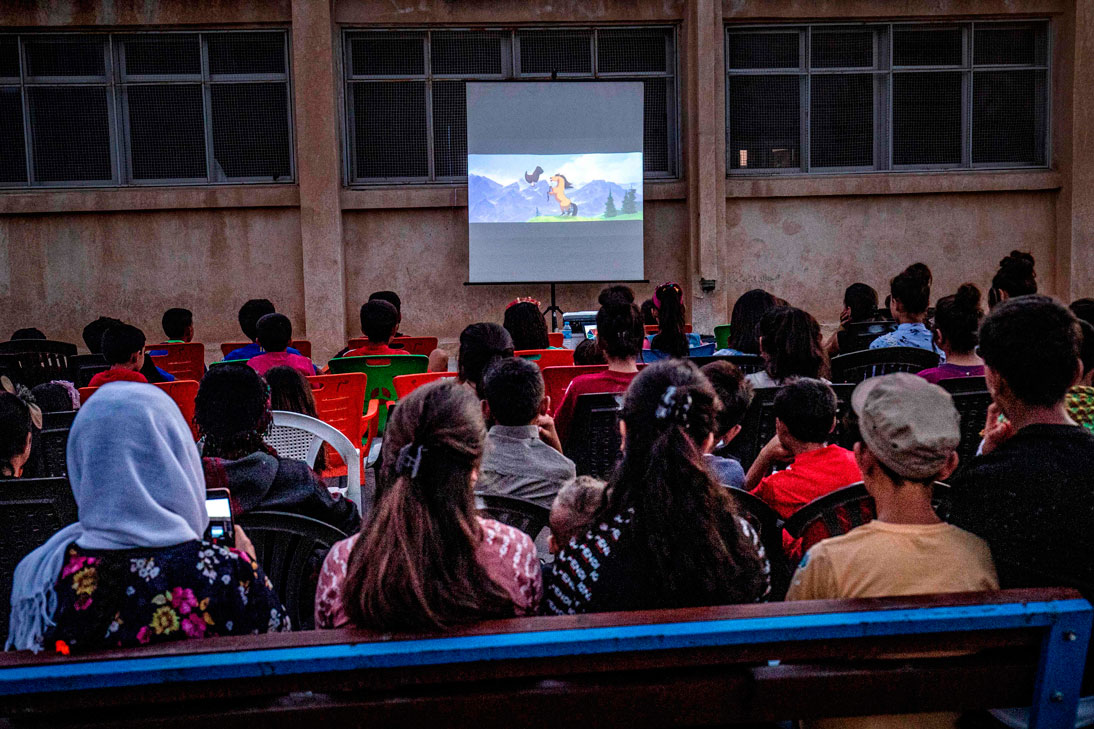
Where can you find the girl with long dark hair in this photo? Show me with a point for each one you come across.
(790, 342)
(743, 322)
(526, 325)
(957, 332)
(671, 337)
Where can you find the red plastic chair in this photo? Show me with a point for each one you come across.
(406, 384)
(183, 392)
(556, 339)
(303, 346)
(186, 361)
(654, 328)
(339, 402)
(548, 357)
(557, 379)
(412, 345)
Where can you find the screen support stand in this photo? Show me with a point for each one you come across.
(554, 310)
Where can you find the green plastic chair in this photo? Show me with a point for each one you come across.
(721, 336)
(382, 371)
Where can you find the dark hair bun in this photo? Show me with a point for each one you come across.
(1018, 263)
(967, 297)
(921, 272)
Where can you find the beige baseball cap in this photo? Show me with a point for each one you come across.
(908, 423)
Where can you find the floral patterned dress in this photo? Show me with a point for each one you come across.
(122, 598)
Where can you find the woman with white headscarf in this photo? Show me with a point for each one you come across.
(134, 569)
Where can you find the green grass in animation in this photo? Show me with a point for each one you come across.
(580, 219)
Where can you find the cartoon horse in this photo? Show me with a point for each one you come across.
(559, 184)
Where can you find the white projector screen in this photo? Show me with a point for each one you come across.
(554, 181)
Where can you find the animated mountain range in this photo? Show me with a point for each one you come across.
(517, 202)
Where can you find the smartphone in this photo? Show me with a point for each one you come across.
(221, 530)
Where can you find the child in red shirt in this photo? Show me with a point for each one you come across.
(123, 349)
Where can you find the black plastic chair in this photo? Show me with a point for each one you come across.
(747, 363)
(38, 345)
(594, 440)
(521, 514)
(291, 549)
(767, 524)
(971, 398)
(859, 366)
(59, 419)
(31, 511)
(857, 336)
(48, 453)
(85, 366)
(35, 368)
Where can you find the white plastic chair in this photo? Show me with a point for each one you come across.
(300, 437)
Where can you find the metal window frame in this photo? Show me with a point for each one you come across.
(885, 71)
(117, 82)
(510, 64)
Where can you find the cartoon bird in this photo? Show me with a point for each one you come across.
(559, 184)
(532, 178)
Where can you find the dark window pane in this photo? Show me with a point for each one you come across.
(449, 128)
(764, 50)
(251, 131)
(656, 156)
(466, 52)
(1008, 117)
(9, 56)
(73, 55)
(844, 49)
(927, 118)
(70, 126)
(13, 153)
(246, 52)
(162, 53)
(995, 44)
(764, 122)
(387, 54)
(166, 132)
(841, 130)
(389, 129)
(927, 47)
(631, 51)
(550, 51)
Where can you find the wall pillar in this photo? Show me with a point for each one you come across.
(705, 154)
(1076, 208)
(319, 176)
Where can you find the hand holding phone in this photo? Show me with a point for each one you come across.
(221, 529)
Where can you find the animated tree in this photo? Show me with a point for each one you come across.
(630, 202)
(609, 207)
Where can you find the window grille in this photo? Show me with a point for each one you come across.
(886, 96)
(406, 115)
(144, 108)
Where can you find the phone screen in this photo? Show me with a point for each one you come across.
(218, 504)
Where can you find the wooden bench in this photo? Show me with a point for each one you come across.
(693, 667)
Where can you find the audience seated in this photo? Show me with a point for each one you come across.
(744, 322)
(910, 295)
(379, 320)
(523, 457)
(178, 325)
(588, 353)
(956, 333)
(859, 305)
(909, 431)
(573, 510)
(425, 560)
(649, 313)
(392, 298)
(274, 335)
(1015, 277)
(94, 331)
(1080, 398)
(232, 413)
(123, 348)
(249, 314)
(526, 325)
(671, 315)
(58, 396)
(619, 334)
(28, 333)
(16, 429)
(480, 345)
(736, 395)
(790, 343)
(290, 391)
(134, 569)
(667, 534)
(805, 416)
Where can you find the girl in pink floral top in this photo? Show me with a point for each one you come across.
(425, 561)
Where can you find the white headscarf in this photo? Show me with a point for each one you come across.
(137, 478)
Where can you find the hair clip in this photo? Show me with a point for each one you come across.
(410, 460)
(523, 300)
(26, 398)
(672, 408)
(671, 285)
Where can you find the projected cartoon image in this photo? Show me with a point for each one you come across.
(554, 188)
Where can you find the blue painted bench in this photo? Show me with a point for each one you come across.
(693, 667)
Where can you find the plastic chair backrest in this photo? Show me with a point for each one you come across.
(16, 346)
(971, 398)
(415, 345)
(183, 392)
(721, 336)
(656, 355)
(765, 521)
(299, 436)
(859, 366)
(406, 384)
(556, 339)
(303, 346)
(548, 357)
(593, 443)
(186, 361)
(857, 336)
(49, 450)
(34, 367)
(291, 549)
(747, 363)
(31, 511)
(527, 516)
(340, 400)
(86, 366)
(382, 371)
(557, 379)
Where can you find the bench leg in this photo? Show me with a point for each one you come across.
(1060, 673)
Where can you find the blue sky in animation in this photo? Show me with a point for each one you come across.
(579, 169)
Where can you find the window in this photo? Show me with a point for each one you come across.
(893, 96)
(144, 109)
(406, 116)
